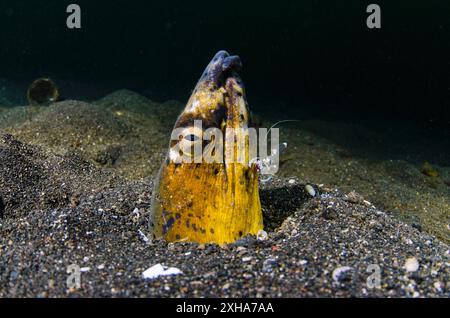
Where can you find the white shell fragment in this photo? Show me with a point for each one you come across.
(411, 264)
(262, 235)
(159, 270)
(310, 190)
(143, 236)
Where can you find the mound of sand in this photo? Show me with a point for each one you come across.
(140, 110)
(74, 125)
(111, 134)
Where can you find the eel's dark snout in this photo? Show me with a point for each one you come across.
(220, 67)
(232, 64)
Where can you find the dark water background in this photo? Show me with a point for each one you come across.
(315, 55)
(374, 104)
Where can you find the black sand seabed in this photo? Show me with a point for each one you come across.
(59, 210)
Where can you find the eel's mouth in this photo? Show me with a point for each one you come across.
(221, 67)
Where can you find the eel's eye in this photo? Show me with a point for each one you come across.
(191, 137)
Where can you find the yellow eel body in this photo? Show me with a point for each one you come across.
(208, 201)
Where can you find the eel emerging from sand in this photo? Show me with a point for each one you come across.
(208, 201)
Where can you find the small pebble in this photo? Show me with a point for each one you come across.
(269, 264)
(438, 286)
(13, 275)
(354, 197)
(411, 264)
(330, 214)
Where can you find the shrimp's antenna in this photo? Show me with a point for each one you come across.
(279, 122)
